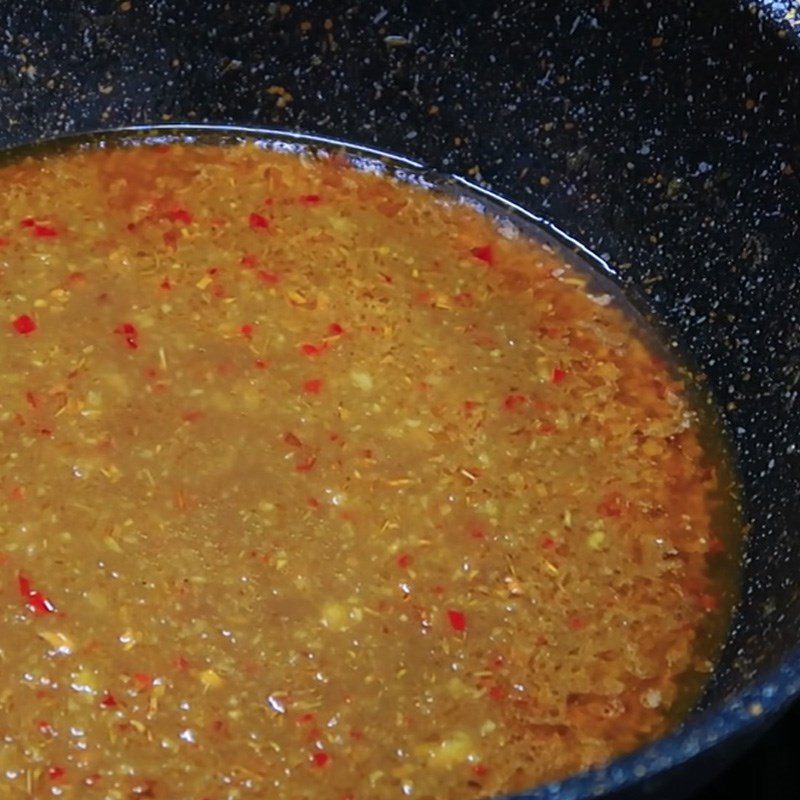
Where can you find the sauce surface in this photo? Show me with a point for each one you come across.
(316, 485)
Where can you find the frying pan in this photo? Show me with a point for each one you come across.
(663, 136)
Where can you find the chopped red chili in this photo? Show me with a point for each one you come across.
(484, 253)
(320, 759)
(479, 770)
(404, 560)
(258, 221)
(313, 386)
(310, 199)
(307, 465)
(130, 334)
(55, 773)
(142, 680)
(558, 375)
(24, 324)
(514, 401)
(108, 701)
(179, 215)
(311, 349)
(44, 231)
(548, 543)
(268, 277)
(576, 623)
(611, 505)
(458, 620)
(34, 600)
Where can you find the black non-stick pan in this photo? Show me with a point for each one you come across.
(665, 136)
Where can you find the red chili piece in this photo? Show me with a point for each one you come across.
(311, 349)
(247, 330)
(128, 330)
(548, 543)
(258, 221)
(24, 325)
(335, 329)
(558, 375)
(514, 401)
(458, 620)
(307, 465)
(44, 231)
(54, 773)
(142, 680)
(179, 215)
(310, 199)
(270, 278)
(34, 600)
(109, 701)
(259, 363)
(248, 261)
(165, 284)
(404, 561)
(320, 759)
(313, 386)
(576, 623)
(484, 253)
(497, 693)
(611, 505)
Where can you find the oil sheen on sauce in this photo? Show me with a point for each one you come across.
(317, 484)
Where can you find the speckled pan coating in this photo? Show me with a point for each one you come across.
(663, 135)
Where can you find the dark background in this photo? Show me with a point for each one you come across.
(665, 135)
(770, 771)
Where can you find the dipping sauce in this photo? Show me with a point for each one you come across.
(316, 484)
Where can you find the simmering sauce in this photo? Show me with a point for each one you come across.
(316, 484)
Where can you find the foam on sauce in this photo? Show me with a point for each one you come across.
(315, 484)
